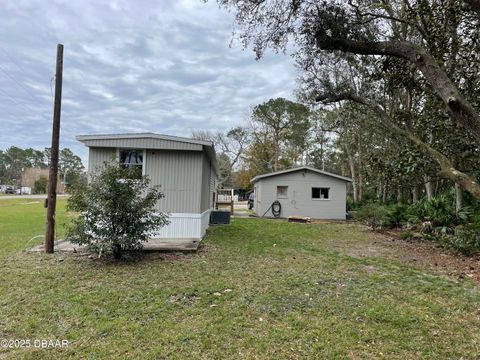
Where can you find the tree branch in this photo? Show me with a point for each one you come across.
(447, 170)
(460, 108)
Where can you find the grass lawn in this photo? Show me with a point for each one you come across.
(258, 289)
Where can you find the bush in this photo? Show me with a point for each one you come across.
(40, 185)
(465, 240)
(117, 213)
(372, 215)
(396, 215)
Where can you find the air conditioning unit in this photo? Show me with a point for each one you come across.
(218, 217)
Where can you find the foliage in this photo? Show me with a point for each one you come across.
(396, 215)
(40, 185)
(440, 211)
(230, 148)
(69, 166)
(117, 213)
(372, 215)
(466, 239)
(15, 160)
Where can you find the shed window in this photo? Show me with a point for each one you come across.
(132, 159)
(320, 193)
(282, 191)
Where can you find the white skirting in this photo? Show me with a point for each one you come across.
(185, 225)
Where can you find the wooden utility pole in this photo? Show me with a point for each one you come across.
(54, 153)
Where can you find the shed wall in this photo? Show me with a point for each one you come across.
(299, 195)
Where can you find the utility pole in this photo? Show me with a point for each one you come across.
(53, 174)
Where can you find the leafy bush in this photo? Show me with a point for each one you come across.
(117, 213)
(466, 239)
(372, 215)
(396, 215)
(440, 211)
(40, 185)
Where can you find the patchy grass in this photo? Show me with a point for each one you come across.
(258, 289)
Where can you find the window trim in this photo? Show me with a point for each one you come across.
(282, 196)
(320, 199)
(144, 159)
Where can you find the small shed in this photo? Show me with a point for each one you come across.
(184, 168)
(302, 191)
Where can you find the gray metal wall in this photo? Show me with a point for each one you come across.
(179, 173)
(299, 198)
(185, 177)
(97, 157)
(206, 191)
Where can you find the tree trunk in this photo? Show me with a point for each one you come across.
(458, 198)
(415, 194)
(351, 164)
(117, 251)
(384, 194)
(360, 174)
(428, 187)
(399, 194)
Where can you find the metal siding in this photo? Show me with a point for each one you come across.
(213, 186)
(206, 194)
(299, 201)
(97, 157)
(179, 174)
(143, 143)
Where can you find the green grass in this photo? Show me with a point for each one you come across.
(259, 289)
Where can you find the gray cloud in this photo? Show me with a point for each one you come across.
(161, 66)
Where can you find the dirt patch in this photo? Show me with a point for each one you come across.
(424, 254)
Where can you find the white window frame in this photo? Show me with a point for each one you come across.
(144, 157)
(319, 199)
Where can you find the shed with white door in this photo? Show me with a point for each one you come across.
(302, 191)
(184, 168)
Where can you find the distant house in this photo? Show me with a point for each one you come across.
(301, 191)
(184, 168)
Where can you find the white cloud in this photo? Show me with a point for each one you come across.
(161, 66)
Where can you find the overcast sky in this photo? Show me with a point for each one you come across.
(129, 66)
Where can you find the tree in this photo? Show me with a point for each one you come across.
(230, 148)
(363, 28)
(70, 166)
(419, 61)
(40, 185)
(285, 124)
(116, 213)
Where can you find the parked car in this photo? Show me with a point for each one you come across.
(251, 198)
(10, 190)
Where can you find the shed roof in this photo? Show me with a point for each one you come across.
(301, 168)
(150, 141)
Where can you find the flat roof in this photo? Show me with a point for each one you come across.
(143, 135)
(307, 168)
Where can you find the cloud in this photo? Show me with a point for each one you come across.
(160, 66)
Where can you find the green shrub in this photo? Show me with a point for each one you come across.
(372, 215)
(117, 212)
(396, 215)
(440, 211)
(465, 240)
(40, 185)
